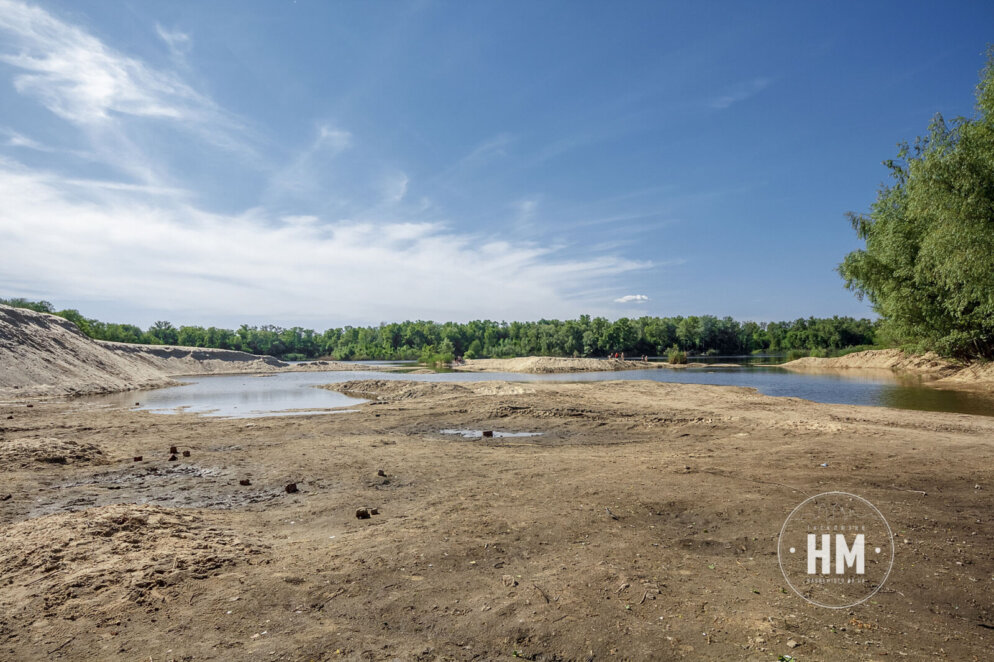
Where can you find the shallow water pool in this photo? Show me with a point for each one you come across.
(295, 393)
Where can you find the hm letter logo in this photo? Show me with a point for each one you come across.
(845, 556)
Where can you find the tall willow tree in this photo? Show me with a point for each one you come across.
(928, 264)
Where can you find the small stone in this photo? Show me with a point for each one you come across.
(173, 458)
(186, 453)
(792, 644)
(488, 433)
(245, 481)
(137, 458)
(381, 473)
(509, 581)
(291, 488)
(363, 513)
(172, 450)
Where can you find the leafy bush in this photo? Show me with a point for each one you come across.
(432, 357)
(294, 357)
(676, 356)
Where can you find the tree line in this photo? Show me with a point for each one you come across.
(429, 341)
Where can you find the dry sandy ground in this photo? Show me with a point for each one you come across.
(484, 548)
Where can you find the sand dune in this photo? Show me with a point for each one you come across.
(44, 355)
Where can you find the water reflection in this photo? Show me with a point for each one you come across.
(239, 396)
(294, 392)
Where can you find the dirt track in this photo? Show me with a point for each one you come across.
(642, 525)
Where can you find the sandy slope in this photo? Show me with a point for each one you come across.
(887, 359)
(945, 373)
(42, 354)
(45, 355)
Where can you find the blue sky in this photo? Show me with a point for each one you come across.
(324, 163)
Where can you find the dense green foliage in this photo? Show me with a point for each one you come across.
(433, 342)
(928, 265)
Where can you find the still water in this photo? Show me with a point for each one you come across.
(246, 396)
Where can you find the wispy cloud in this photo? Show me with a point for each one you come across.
(185, 258)
(102, 91)
(740, 92)
(303, 173)
(632, 298)
(15, 139)
(83, 81)
(179, 43)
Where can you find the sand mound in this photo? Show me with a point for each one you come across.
(171, 360)
(42, 354)
(500, 388)
(976, 373)
(549, 365)
(886, 359)
(386, 389)
(44, 451)
(94, 560)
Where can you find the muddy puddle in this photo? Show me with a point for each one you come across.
(177, 485)
(479, 434)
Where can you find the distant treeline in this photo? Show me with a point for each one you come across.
(586, 336)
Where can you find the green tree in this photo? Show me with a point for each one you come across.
(928, 264)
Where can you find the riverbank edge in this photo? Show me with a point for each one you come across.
(937, 371)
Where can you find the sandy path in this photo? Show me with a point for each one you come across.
(485, 547)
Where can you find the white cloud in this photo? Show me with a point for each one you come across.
(740, 92)
(179, 43)
(80, 79)
(303, 173)
(332, 138)
(135, 251)
(15, 139)
(395, 187)
(632, 298)
(102, 91)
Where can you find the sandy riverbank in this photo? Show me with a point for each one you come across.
(556, 365)
(484, 547)
(940, 372)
